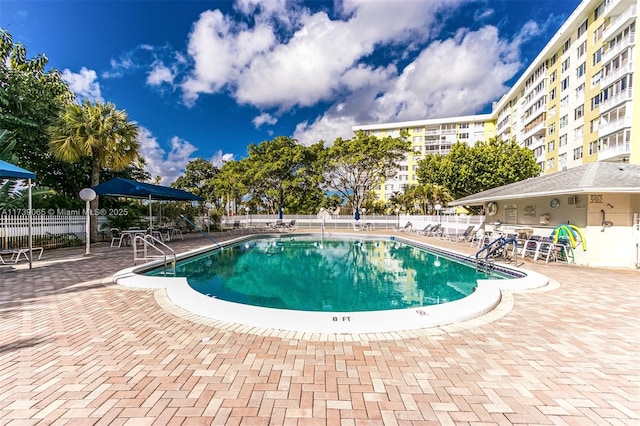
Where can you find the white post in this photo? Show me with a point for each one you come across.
(88, 195)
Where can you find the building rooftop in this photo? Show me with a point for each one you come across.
(589, 178)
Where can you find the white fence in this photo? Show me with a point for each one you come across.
(449, 222)
(64, 230)
(47, 231)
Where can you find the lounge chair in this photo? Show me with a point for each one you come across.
(16, 254)
(288, 227)
(408, 227)
(423, 230)
(434, 231)
(460, 236)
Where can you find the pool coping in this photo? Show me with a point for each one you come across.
(487, 296)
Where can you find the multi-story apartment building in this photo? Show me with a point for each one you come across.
(573, 105)
(429, 137)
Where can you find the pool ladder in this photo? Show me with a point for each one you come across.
(148, 247)
(496, 248)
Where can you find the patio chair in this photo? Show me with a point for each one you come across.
(531, 247)
(235, 227)
(116, 235)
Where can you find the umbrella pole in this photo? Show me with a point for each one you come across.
(150, 216)
(30, 215)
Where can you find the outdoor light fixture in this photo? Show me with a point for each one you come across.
(88, 195)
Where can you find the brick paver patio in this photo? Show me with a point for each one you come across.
(76, 349)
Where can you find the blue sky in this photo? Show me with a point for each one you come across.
(207, 78)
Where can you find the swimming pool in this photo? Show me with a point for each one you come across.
(405, 266)
(330, 274)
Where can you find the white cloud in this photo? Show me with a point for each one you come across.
(168, 165)
(264, 118)
(160, 74)
(218, 159)
(83, 84)
(456, 76)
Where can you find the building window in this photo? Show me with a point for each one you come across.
(579, 112)
(417, 150)
(565, 84)
(581, 69)
(551, 146)
(580, 92)
(553, 59)
(564, 120)
(564, 102)
(593, 147)
(595, 102)
(550, 163)
(583, 27)
(464, 135)
(552, 129)
(577, 153)
(593, 125)
(554, 76)
(581, 49)
(562, 141)
(566, 46)
(597, 57)
(565, 64)
(552, 94)
(578, 134)
(417, 139)
(599, 11)
(562, 161)
(552, 112)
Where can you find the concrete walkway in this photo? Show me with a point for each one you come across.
(76, 349)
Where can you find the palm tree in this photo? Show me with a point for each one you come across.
(98, 131)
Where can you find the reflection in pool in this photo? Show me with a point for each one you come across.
(339, 275)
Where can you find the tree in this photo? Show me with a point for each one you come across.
(468, 169)
(422, 198)
(283, 173)
(354, 167)
(30, 99)
(100, 132)
(198, 179)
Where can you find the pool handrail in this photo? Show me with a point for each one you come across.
(207, 236)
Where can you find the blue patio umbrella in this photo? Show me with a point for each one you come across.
(11, 171)
(280, 212)
(357, 215)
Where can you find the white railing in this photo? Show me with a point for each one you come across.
(374, 222)
(47, 230)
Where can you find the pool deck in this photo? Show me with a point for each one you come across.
(76, 349)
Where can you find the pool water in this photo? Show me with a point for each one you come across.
(337, 275)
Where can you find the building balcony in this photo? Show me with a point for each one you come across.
(625, 43)
(616, 74)
(620, 22)
(617, 152)
(536, 130)
(615, 126)
(616, 100)
(616, 7)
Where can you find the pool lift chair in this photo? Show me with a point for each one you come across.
(505, 248)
